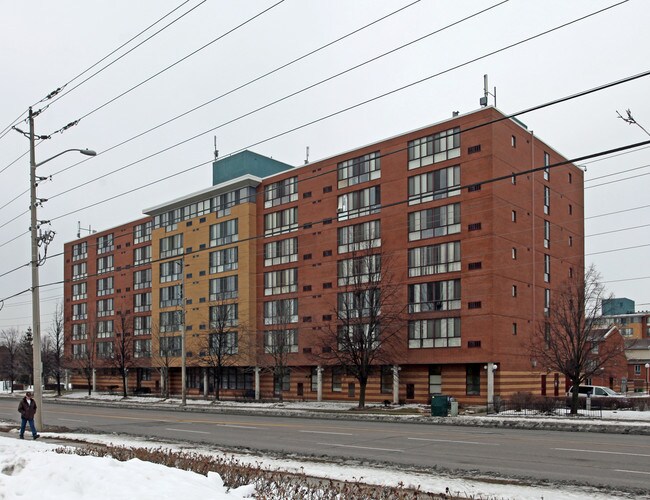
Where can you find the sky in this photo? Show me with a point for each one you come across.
(218, 46)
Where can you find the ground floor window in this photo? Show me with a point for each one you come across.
(282, 383)
(473, 380)
(386, 379)
(435, 379)
(337, 378)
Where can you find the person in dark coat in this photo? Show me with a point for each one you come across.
(27, 409)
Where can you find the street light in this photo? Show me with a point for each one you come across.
(36, 306)
(647, 377)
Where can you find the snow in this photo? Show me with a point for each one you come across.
(27, 465)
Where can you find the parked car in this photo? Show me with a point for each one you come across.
(595, 391)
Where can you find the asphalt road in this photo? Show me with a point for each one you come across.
(609, 460)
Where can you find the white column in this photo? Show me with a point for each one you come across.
(491, 368)
(257, 383)
(319, 383)
(205, 382)
(94, 380)
(396, 370)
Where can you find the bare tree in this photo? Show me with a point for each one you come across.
(26, 357)
(368, 317)
(569, 341)
(163, 356)
(123, 356)
(221, 346)
(55, 351)
(279, 343)
(10, 342)
(82, 357)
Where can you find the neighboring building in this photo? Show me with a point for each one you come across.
(638, 359)
(617, 306)
(621, 312)
(475, 244)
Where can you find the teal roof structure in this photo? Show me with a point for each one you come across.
(245, 163)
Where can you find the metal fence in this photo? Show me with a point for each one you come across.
(548, 407)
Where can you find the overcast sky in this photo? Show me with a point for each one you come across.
(46, 45)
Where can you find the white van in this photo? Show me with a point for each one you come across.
(595, 391)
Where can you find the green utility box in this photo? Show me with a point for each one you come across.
(440, 406)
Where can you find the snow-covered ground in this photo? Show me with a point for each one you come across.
(29, 467)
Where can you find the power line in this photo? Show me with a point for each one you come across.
(59, 90)
(122, 94)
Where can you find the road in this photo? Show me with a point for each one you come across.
(609, 460)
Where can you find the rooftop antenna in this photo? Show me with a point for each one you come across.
(483, 101)
(88, 229)
(216, 151)
(307, 155)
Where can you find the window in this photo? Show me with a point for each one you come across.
(513, 141)
(223, 343)
(104, 350)
(570, 208)
(547, 268)
(105, 244)
(284, 191)
(142, 232)
(105, 307)
(434, 148)
(224, 288)
(359, 236)
(142, 348)
(359, 270)
(570, 241)
(224, 260)
(474, 305)
(170, 346)
(475, 226)
(547, 302)
(281, 341)
(514, 328)
(438, 221)
(171, 271)
(105, 329)
(337, 379)
(142, 302)
(514, 290)
(223, 315)
(514, 253)
(283, 221)
(105, 286)
(473, 380)
(79, 311)
(359, 203)
(142, 325)
(434, 296)
(513, 216)
(570, 178)
(280, 312)
(79, 291)
(351, 336)
(547, 162)
(547, 200)
(80, 251)
(443, 332)
(360, 169)
(284, 281)
(105, 264)
(386, 381)
(171, 246)
(171, 296)
(547, 234)
(359, 304)
(513, 179)
(282, 382)
(637, 369)
(142, 255)
(281, 252)
(170, 322)
(79, 351)
(434, 259)
(79, 331)
(474, 266)
(434, 185)
(142, 279)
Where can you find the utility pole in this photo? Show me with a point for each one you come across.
(36, 300)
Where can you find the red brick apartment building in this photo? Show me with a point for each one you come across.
(471, 244)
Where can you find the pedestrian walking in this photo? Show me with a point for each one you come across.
(27, 409)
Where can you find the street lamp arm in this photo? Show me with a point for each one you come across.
(87, 152)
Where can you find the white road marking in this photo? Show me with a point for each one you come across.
(72, 420)
(324, 432)
(238, 426)
(186, 430)
(631, 471)
(450, 441)
(360, 447)
(604, 452)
